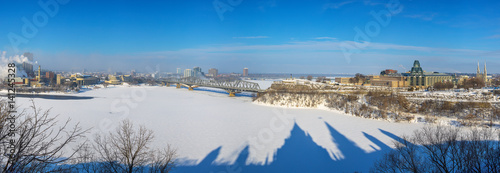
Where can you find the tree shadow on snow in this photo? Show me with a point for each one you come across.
(301, 154)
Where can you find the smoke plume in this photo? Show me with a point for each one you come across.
(18, 60)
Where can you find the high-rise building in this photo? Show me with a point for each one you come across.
(28, 68)
(188, 73)
(58, 79)
(245, 72)
(28, 65)
(197, 71)
(49, 75)
(179, 71)
(213, 72)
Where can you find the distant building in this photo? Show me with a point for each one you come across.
(132, 73)
(49, 75)
(418, 78)
(179, 71)
(245, 72)
(197, 71)
(80, 79)
(87, 80)
(188, 73)
(126, 78)
(388, 72)
(113, 80)
(213, 72)
(58, 79)
(343, 80)
(393, 80)
(155, 75)
(28, 68)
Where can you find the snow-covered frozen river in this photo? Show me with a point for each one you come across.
(216, 133)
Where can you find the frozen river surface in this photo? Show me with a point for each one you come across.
(216, 133)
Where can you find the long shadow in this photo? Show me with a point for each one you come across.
(301, 154)
(396, 138)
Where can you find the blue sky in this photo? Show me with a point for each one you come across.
(267, 36)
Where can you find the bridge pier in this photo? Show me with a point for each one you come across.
(191, 87)
(232, 93)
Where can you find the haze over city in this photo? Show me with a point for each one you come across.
(267, 36)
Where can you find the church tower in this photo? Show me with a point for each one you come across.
(485, 75)
(478, 70)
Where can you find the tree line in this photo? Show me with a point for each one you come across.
(444, 149)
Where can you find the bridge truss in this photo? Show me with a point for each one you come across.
(231, 87)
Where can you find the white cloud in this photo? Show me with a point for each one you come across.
(372, 3)
(496, 36)
(251, 37)
(325, 38)
(426, 17)
(337, 5)
(330, 45)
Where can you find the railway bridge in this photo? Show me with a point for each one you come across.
(231, 87)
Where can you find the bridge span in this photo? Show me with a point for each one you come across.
(231, 87)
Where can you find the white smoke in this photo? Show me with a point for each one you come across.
(17, 59)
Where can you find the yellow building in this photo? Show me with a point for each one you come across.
(113, 80)
(86, 80)
(346, 81)
(80, 79)
(389, 81)
(58, 79)
(126, 78)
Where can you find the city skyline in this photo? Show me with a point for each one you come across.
(265, 36)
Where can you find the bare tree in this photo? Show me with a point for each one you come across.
(33, 141)
(86, 159)
(405, 158)
(163, 160)
(444, 149)
(127, 150)
(309, 77)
